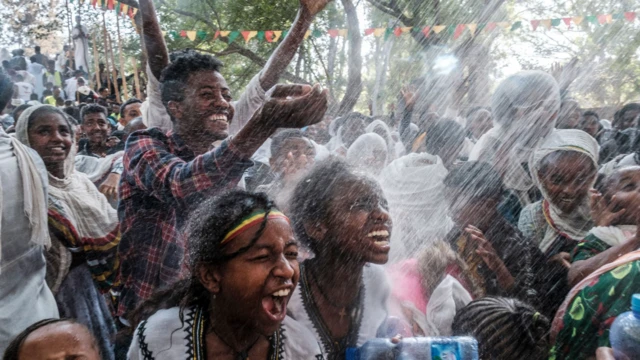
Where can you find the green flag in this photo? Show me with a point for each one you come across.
(516, 25)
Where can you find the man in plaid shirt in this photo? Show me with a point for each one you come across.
(167, 175)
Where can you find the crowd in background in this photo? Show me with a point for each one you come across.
(195, 224)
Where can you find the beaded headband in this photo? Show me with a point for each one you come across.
(251, 220)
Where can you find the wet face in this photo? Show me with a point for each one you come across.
(206, 110)
(625, 185)
(297, 147)
(566, 177)
(96, 127)
(627, 120)
(359, 225)
(534, 124)
(569, 117)
(479, 123)
(590, 125)
(59, 341)
(131, 112)
(465, 211)
(50, 136)
(254, 288)
(352, 131)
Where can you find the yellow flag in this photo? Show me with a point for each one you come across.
(609, 18)
(225, 33)
(577, 20)
(378, 32)
(438, 28)
(406, 29)
(546, 23)
(504, 25)
(135, 11)
(342, 32)
(191, 35)
(164, 33)
(125, 9)
(472, 28)
(277, 35)
(252, 34)
(307, 34)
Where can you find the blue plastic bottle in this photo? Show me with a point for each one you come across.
(419, 348)
(625, 332)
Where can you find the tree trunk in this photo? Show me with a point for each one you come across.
(354, 80)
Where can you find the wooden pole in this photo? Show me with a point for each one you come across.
(125, 92)
(106, 50)
(136, 79)
(96, 68)
(113, 69)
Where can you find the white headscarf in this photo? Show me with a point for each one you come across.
(365, 154)
(576, 224)
(414, 188)
(379, 124)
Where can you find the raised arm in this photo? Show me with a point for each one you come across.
(156, 49)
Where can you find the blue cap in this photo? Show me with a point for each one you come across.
(635, 302)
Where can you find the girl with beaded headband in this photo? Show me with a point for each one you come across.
(244, 268)
(343, 218)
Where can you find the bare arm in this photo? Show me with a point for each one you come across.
(581, 269)
(154, 45)
(281, 57)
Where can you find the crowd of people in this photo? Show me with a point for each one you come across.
(191, 224)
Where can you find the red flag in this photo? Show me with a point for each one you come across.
(110, 4)
(333, 32)
(491, 26)
(567, 21)
(368, 32)
(602, 19)
(183, 33)
(93, 3)
(245, 35)
(130, 12)
(397, 31)
(426, 30)
(268, 35)
(630, 16)
(459, 30)
(215, 36)
(534, 24)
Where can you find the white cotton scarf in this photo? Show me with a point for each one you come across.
(577, 223)
(614, 235)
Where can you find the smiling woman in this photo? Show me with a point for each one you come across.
(244, 268)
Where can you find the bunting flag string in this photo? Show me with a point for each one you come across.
(454, 30)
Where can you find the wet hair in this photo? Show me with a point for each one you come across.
(207, 227)
(103, 88)
(174, 78)
(73, 113)
(92, 109)
(605, 182)
(37, 49)
(33, 96)
(316, 191)
(445, 133)
(475, 180)
(591, 113)
(505, 329)
(628, 107)
(277, 141)
(475, 109)
(123, 107)
(12, 351)
(15, 114)
(52, 110)
(33, 59)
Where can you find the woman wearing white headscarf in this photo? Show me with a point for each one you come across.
(525, 108)
(368, 154)
(564, 168)
(83, 226)
(380, 128)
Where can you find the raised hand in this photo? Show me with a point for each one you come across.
(294, 106)
(490, 257)
(604, 214)
(313, 7)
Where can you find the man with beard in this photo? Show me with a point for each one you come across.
(168, 174)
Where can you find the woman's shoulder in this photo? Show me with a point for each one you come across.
(376, 281)
(162, 334)
(299, 341)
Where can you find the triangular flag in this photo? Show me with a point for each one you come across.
(546, 23)
(285, 33)
(93, 3)
(567, 21)
(602, 19)
(577, 19)
(130, 13)
(534, 24)
(164, 34)
(110, 4)
(268, 35)
(609, 18)
(458, 31)
(368, 32)
(555, 22)
(343, 32)
(397, 31)
(276, 35)
(378, 32)
(191, 35)
(201, 34)
(618, 16)
(225, 33)
(592, 19)
(316, 33)
(406, 29)
(134, 12)
(472, 28)
(387, 33)
(174, 34)
(183, 33)
(438, 28)
(307, 34)
(125, 9)
(451, 29)
(630, 16)
(118, 7)
(260, 36)
(504, 25)
(516, 25)
(99, 3)
(234, 35)
(248, 35)
(216, 35)
(333, 32)
(426, 31)
(490, 26)
(481, 27)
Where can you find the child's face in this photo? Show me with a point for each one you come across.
(626, 188)
(469, 211)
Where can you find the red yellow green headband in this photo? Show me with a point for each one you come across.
(251, 220)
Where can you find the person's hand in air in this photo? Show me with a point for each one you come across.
(294, 106)
(490, 257)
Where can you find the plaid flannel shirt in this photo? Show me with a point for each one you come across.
(162, 181)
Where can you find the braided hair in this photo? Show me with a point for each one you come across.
(12, 351)
(206, 228)
(505, 329)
